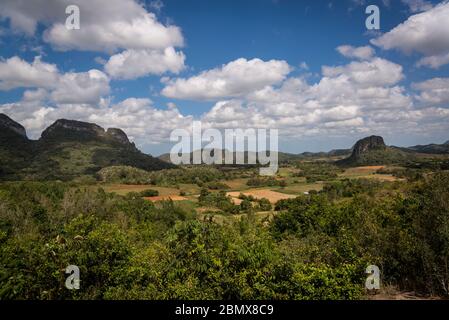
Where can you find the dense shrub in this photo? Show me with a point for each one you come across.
(129, 175)
(264, 182)
(317, 171)
(218, 200)
(149, 193)
(215, 185)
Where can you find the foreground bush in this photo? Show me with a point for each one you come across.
(316, 247)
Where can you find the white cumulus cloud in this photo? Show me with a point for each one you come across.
(237, 78)
(375, 72)
(82, 87)
(131, 64)
(426, 33)
(433, 91)
(71, 87)
(15, 73)
(363, 53)
(117, 24)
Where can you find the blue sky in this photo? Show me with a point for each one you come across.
(282, 46)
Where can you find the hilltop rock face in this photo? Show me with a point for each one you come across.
(373, 151)
(66, 129)
(367, 144)
(7, 125)
(63, 130)
(447, 142)
(15, 148)
(117, 135)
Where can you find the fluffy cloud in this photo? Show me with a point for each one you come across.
(121, 24)
(234, 79)
(375, 72)
(132, 64)
(118, 25)
(434, 62)
(426, 33)
(83, 87)
(72, 87)
(15, 73)
(433, 91)
(346, 99)
(35, 95)
(363, 53)
(25, 15)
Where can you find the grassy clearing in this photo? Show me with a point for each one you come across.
(236, 184)
(367, 172)
(189, 188)
(300, 188)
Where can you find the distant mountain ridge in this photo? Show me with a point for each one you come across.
(432, 148)
(283, 156)
(370, 150)
(69, 149)
(66, 150)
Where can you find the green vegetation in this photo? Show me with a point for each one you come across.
(352, 187)
(218, 200)
(317, 171)
(265, 182)
(123, 174)
(262, 204)
(316, 247)
(201, 175)
(149, 193)
(127, 248)
(216, 185)
(405, 234)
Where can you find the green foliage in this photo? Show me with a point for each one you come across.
(264, 204)
(129, 175)
(407, 235)
(127, 248)
(259, 181)
(316, 247)
(426, 219)
(149, 193)
(351, 187)
(245, 197)
(124, 174)
(246, 205)
(407, 173)
(216, 185)
(218, 200)
(317, 171)
(197, 174)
